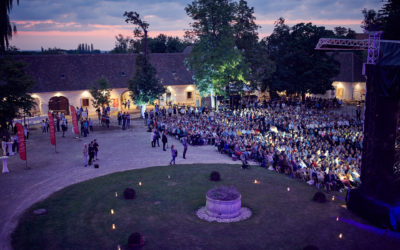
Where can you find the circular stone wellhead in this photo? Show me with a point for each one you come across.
(223, 204)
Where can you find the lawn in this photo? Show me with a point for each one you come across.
(79, 216)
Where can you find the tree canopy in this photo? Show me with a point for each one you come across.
(144, 86)
(101, 92)
(215, 59)
(15, 85)
(6, 28)
(300, 69)
(387, 19)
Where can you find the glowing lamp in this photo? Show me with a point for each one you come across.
(340, 235)
(113, 226)
(116, 194)
(337, 218)
(140, 183)
(333, 198)
(112, 211)
(256, 182)
(288, 189)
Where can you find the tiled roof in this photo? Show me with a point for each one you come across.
(350, 68)
(77, 72)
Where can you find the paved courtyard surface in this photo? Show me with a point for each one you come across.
(119, 151)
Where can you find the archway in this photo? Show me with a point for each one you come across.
(35, 110)
(126, 101)
(59, 104)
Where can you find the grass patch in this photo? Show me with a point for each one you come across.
(164, 212)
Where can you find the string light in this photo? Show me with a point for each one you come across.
(112, 211)
(113, 226)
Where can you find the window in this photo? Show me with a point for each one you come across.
(339, 93)
(85, 102)
(189, 95)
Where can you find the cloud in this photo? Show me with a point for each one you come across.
(104, 18)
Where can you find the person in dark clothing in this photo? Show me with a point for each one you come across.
(164, 140)
(91, 153)
(157, 133)
(96, 148)
(185, 147)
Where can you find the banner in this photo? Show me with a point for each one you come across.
(74, 120)
(52, 130)
(21, 141)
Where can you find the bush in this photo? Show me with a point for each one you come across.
(215, 176)
(129, 194)
(319, 197)
(135, 240)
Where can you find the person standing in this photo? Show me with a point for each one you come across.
(96, 148)
(90, 125)
(124, 121)
(128, 121)
(119, 118)
(63, 126)
(85, 154)
(91, 153)
(174, 153)
(157, 133)
(153, 138)
(43, 126)
(26, 131)
(185, 147)
(164, 140)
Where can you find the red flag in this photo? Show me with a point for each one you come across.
(21, 141)
(74, 120)
(52, 130)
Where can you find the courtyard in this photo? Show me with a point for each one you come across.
(165, 208)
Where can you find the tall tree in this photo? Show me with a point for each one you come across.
(144, 86)
(140, 30)
(299, 67)
(386, 19)
(101, 92)
(215, 60)
(6, 29)
(15, 85)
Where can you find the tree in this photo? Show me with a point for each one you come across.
(144, 86)
(6, 29)
(15, 85)
(300, 69)
(134, 18)
(100, 92)
(386, 19)
(215, 60)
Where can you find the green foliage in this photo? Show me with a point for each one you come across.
(14, 87)
(144, 86)
(386, 19)
(299, 67)
(215, 60)
(6, 29)
(100, 92)
(159, 44)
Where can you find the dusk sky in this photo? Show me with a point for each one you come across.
(66, 23)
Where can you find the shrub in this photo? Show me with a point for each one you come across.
(129, 194)
(215, 176)
(319, 197)
(135, 240)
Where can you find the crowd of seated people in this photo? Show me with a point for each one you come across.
(320, 146)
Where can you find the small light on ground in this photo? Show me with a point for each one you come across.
(343, 206)
(116, 194)
(340, 235)
(333, 198)
(169, 177)
(256, 182)
(140, 183)
(288, 189)
(337, 218)
(112, 211)
(118, 247)
(113, 226)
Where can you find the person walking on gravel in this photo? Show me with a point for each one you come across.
(85, 154)
(174, 153)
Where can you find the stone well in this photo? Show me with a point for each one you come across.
(224, 203)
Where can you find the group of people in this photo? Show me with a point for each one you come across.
(310, 140)
(124, 119)
(90, 152)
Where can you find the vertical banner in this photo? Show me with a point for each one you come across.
(74, 120)
(21, 141)
(52, 130)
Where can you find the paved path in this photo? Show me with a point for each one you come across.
(119, 151)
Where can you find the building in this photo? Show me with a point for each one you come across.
(63, 80)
